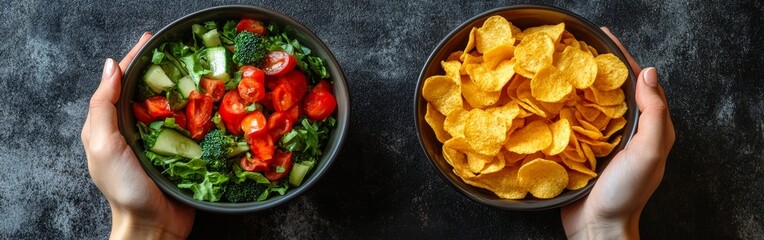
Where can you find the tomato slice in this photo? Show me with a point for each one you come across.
(180, 118)
(253, 164)
(323, 85)
(283, 97)
(158, 107)
(283, 160)
(262, 147)
(199, 112)
(294, 113)
(297, 80)
(254, 124)
(252, 86)
(271, 82)
(278, 63)
(232, 111)
(319, 104)
(252, 26)
(279, 123)
(213, 88)
(141, 114)
(267, 101)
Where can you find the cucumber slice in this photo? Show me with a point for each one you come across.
(186, 85)
(157, 79)
(171, 143)
(211, 38)
(239, 149)
(199, 30)
(299, 170)
(217, 57)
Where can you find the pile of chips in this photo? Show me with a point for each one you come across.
(526, 111)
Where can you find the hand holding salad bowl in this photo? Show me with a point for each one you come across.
(234, 108)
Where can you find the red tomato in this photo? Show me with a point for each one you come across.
(180, 118)
(319, 104)
(267, 101)
(294, 112)
(283, 160)
(158, 107)
(283, 97)
(252, 86)
(252, 26)
(198, 112)
(278, 63)
(323, 85)
(271, 82)
(232, 111)
(253, 164)
(279, 123)
(262, 147)
(254, 124)
(213, 88)
(141, 114)
(297, 80)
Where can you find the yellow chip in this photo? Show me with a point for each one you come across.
(534, 52)
(500, 53)
(589, 156)
(511, 158)
(470, 42)
(601, 122)
(579, 167)
(435, 120)
(516, 123)
(585, 47)
(611, 111)
(496, 31)
(484, 132)
(543, 178)
(550, 85)
(504, 183)
(602, 149)
(452, 69)
(614, 126)
(458, 143)
(455, 56)
(469, 59)
(491, 80)
(505, 113)
(608, 98)
(579, 67)
(443, 93)
(566, 34)
(577, 180)
(553, 31)
(568, 114)
(592, 51)
(475, 97)
(494, 165)
(477, 161)
(571, 42)
(611, 72)
(560, 137)
(458, 161)
(533, 137)
(454, 123)
(588, 111)
(551, 108)
(586, 132)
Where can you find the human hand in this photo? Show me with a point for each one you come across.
(139, 209)
(613, 207)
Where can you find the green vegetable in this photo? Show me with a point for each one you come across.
(247, 191)
(210, 189)
(194, 65)
(234, 82)
(229, 32)
(306, 140)
(216, 145)
(250, 48)
(157, 56)
(313, 66)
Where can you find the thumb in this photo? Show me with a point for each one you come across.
(103, 113)
(653, 123)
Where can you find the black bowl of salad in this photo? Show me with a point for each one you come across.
(234, 108)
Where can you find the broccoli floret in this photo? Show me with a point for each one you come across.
(247, 191)
(250, 48)
(216, 145)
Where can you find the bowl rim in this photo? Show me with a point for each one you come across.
(331, 152)
(499, 203)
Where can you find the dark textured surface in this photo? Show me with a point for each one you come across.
(708, 54)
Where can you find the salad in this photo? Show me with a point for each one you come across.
(236, 113)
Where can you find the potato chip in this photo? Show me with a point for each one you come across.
(470, 43)
(504, 183)
(565, 34)
(443, 93)
(459, 143)
(550, 85)
(455, 56)
(602, 149)
(496, 31)
(435, 120)
(551, 108)
(560, 137)
(469, 59)
(585, 47)
(601, 122)
(614, 126)
(511, 158)
(586, 132)
(454, 123)
(476, 97)
(491, 80)
(592, 51)
(452, 69)
(577, 180)
(516, 123)
(568, 114)
(506, 113)
(458, 161)
(553, 31)
(495, 164)
(611, 111)
(533, 137)
(499, 54)
(530, 157)
(608, 98)
(588, 111)
(579, 67)
(571, 42)
(477, 161)
(589, 156)
(579, 167)
(543, 178)
(514, 84)
(611, 72)
(534, 52)
(484, 132)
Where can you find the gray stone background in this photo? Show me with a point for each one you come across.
(709, 56)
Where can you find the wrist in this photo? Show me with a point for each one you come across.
(128, 225)
(602, 228)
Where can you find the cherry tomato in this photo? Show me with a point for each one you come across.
(232, 111)
(323, 85)
(294, 112)
(298, 81)
(283, 160)
(180, 118)
(252, 86)
(271, 82)
(254, 124)
(283, 97)
(198, 112)
(267, 101)
(141, 114)
(253, 164)
(252, 26)
(279, 123)
(158, 107)
(213, 88)
(262, 147)
(278, 63)
(319, 104)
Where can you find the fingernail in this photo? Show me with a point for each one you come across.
(109, 68)
(651, 77)
(145, 34)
